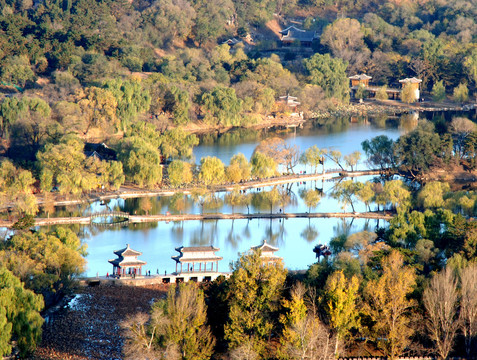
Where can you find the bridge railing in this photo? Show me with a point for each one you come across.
(110, 213)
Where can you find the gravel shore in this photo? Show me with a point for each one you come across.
(89, 326)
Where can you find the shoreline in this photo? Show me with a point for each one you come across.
(366, 108)
(131, 191)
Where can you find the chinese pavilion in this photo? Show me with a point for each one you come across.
(192, 258)
(362, 79)
(127, 263)
(267, 253)
(414, 84)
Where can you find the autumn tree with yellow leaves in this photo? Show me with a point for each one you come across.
(388, 306)
(341, 305)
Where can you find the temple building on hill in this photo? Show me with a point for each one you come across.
(267, 253)
(289, 101)
(292, 35)
(197, 259)
(127, 263)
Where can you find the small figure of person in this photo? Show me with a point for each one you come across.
(165, 273)
(107, 274)
(157, 271)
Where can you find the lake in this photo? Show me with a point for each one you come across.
(295, 238)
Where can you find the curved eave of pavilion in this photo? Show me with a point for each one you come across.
(360, 77)
(411, 81)
(181, 259)
(127, 251)
(121, 263)
(183, 249)
(265, 247)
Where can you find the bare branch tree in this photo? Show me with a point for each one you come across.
(441, 300)
(140, 337)
(468, 306)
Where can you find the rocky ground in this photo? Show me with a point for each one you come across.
(89, 327)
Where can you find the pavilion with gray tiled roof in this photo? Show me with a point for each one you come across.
(197, 255)
(292, 34)
(267, 252)
(127, 263)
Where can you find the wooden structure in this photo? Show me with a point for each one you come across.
(267, 253)
(190, 257)
(292, 35)
(357, 80)
(414, 84)
(127, 263)
(363, 80)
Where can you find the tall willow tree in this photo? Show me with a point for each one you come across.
(330, 74)
(19, 315)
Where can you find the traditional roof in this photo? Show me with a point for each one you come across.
(127, 262)
(360, 77)
(127, 251)
(292, 33)
(197, 248)
(196, 254)
(412, 80)
(267, 251)
(127, 257)
(231, 41)
(100, 151)
(265, 247)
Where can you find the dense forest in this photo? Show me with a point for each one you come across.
(88, 71)
(140, 75)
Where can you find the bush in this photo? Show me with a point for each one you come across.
(461, 93)
(438, 91)
(381, 94)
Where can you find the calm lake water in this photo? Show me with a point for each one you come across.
(294, 237)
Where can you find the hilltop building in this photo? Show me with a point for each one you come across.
(292, 35)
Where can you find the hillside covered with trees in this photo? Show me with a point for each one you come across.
(89, 71)
(141, 75)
